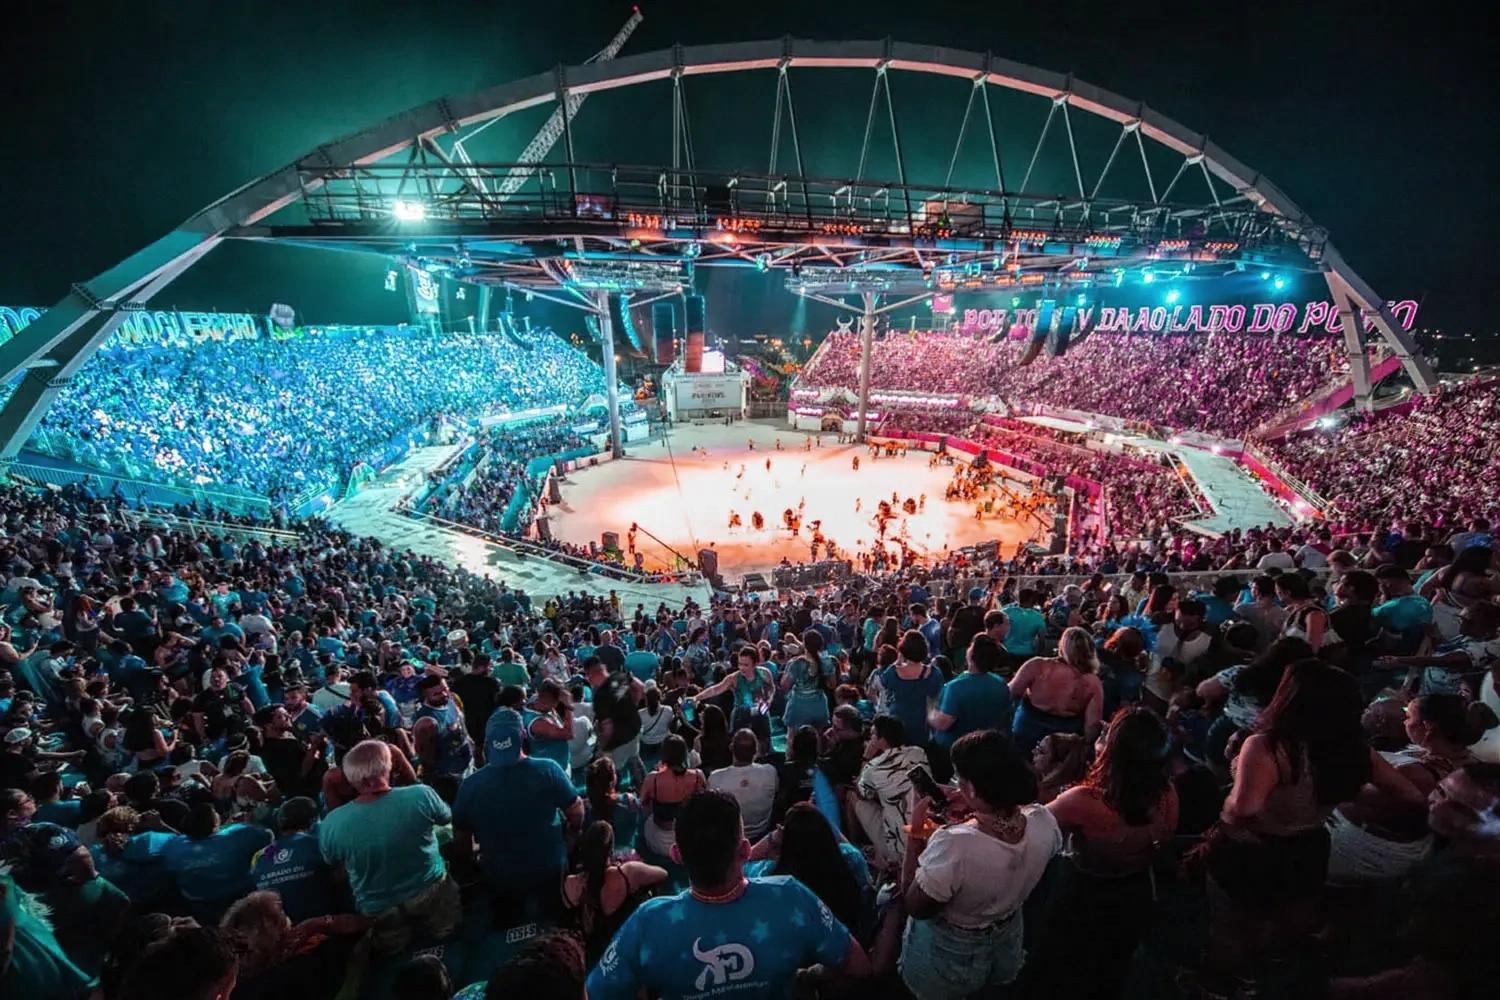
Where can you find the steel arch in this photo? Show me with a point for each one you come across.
(53, 347)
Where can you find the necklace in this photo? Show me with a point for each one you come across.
(733, 893)
(1006, 828)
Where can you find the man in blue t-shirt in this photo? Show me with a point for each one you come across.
(976, 699)
(293, 866)
(212, 864)
(386, 839)
(728, 934)
(1402, 611)
(510, 808)
(1026, 626)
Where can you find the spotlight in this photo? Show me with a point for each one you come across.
(1148, 277)
(1265, 276)
(1082, 299)
(1279, 283)
(1015, 302)
(1173, 295)
(409, 211)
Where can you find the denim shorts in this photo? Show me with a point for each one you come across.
(940, 961)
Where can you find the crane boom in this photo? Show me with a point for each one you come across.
(542, 143)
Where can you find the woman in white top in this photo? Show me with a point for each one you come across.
(656, 720)
(964, 884)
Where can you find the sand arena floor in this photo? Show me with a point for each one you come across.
(685, 497)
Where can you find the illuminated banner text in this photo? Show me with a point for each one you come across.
(1260, 317)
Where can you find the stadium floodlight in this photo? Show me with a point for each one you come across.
(409, 211)
(1172, 296)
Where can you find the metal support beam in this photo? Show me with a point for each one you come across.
(1354, 345)
(1418, 369)
(866, 348)
(611, 380)
(54, 368)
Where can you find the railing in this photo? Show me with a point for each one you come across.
(530, 548)
(165, 493)
(1292, 483)
(197, 525)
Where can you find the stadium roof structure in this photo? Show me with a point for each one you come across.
(577, 231)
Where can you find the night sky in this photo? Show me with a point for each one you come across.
(125, 118)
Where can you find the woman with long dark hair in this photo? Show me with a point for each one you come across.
(145, 741)
(605, 804)
(798, 772)
(806, 680)
(1305, 617)
(664, 792)
(806, 848)
(601, 892)
(656, 721)
(712, 743)
(1118, 817)
(1267, 858)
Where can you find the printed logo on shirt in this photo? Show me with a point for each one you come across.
(726, 963)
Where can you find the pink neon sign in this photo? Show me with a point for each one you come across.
(1260, 317)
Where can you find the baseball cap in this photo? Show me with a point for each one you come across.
(503, 735)
(18, 735)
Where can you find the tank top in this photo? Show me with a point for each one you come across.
(455, 752)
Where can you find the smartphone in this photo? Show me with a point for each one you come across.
(928, 788)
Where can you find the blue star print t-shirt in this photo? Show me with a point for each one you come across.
(749, 949)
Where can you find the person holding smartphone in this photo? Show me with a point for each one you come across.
(963, 884)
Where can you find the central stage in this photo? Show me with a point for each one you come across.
(685, 497)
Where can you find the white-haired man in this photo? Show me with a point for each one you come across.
(385, 839)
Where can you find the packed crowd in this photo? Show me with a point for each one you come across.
(276, 416)
(236, 770)
(1225, 385)
(479, 490)
(1142, 496)
(1437, 464)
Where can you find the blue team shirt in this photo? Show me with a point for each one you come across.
(643, 664)
(749, 949)
(908, 699)
(293, 867)
(1025, 625)
(512, 811)
(554, 750)
(388, 846)
(1403, 613)
(217, 867)
(138, 871)
(976, 701)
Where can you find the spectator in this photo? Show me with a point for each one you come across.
(385, 839)
(768, 929)
(752, 785)
(511, 809)
(964, 884)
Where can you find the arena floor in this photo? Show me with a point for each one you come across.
(685, 497)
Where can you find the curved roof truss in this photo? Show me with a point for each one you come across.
(51, 349)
